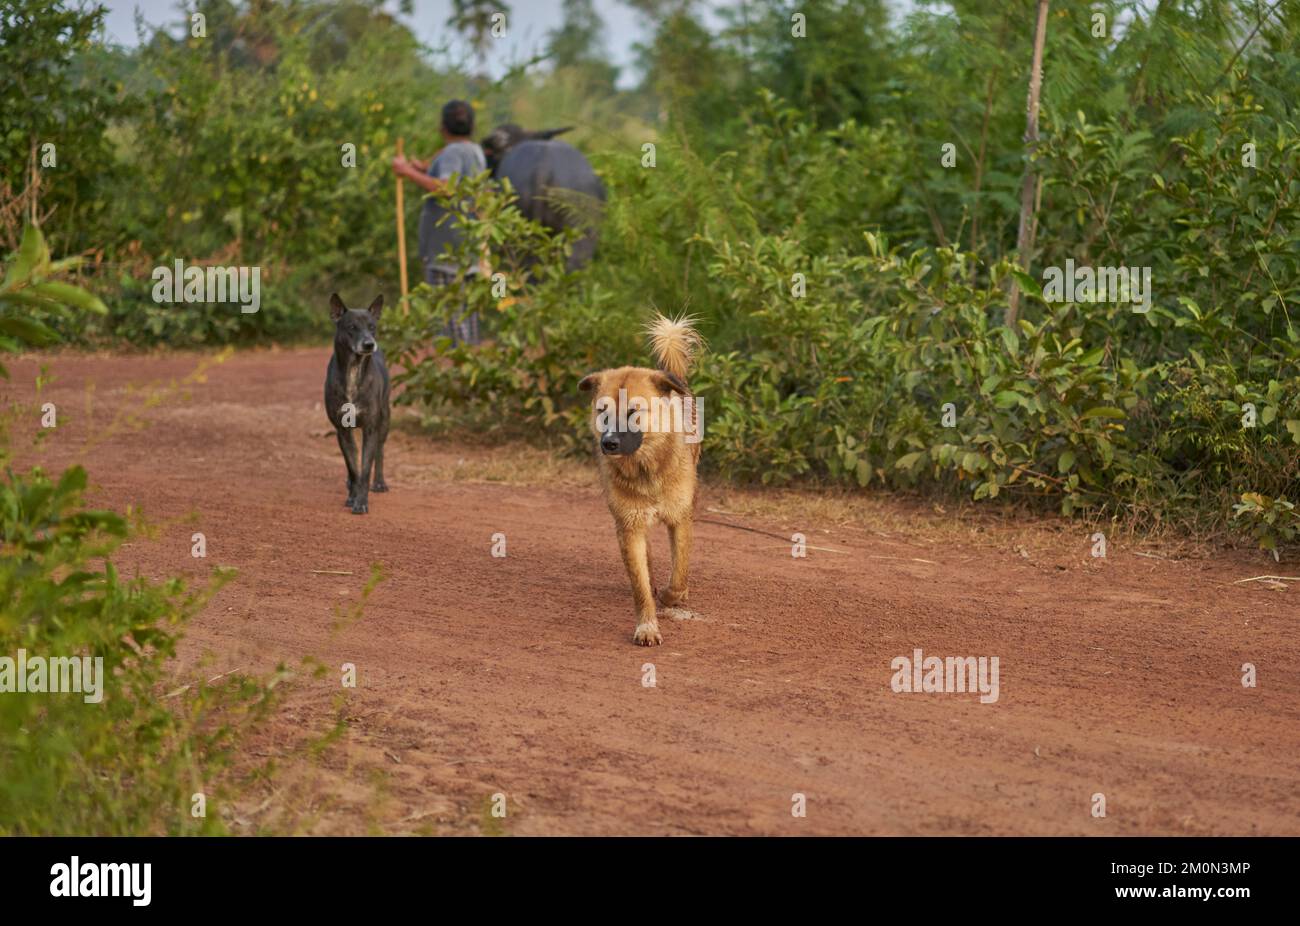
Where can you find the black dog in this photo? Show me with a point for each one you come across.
(356, 395)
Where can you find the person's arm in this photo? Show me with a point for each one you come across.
(432, 184)
(405, 167)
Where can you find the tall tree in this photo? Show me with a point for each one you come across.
(474, 20)
(56, 103)
(1025, 239)
(579, 44)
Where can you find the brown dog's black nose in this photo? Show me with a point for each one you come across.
(609, 443)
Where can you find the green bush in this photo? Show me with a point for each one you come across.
(129, 760)
(834, 355)
(31, 298)
(780, 163)
(1272, 520)
(130, 763)
(516, 382)
(58, 101)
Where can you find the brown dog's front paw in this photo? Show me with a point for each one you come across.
(647, 635)
(671, 599)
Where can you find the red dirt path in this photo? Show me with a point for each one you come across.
(479, 675)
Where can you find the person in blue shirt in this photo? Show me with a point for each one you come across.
(439, 236)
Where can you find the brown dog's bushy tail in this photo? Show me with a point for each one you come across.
(674, 342)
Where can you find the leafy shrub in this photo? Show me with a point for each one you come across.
(1170, 144)
(1272, 520)
(530, 308)
(834, 355)
(57, 103)
(129, 763)
(29, 297)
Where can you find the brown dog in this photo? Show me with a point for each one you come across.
(646, 424)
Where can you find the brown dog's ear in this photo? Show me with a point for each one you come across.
(667, 382)
(337, 308)
(377, 306)
(589, 382)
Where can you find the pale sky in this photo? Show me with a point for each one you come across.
(529, 22)
(527, 26)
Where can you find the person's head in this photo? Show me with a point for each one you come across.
(457, 119)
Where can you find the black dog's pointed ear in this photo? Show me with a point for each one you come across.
(337, 308)
(548, 134)
(589, 382)
(377, 307)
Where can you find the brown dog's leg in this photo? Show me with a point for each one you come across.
(636, 559)
(679, 537)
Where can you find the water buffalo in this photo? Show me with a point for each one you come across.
(556, 185)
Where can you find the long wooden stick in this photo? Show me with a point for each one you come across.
(401, 236)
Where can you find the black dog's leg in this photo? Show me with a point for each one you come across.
(361, 498)
(348, 446)
(379, 485)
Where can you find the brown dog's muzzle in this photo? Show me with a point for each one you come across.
(620, 443)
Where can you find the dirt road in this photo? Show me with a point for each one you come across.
(479, 675)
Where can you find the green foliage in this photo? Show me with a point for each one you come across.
(56, 92)
(129, 760)
(1272, 521)
(1086, 406)
(576, 46)
(516, 382)
(129, 763)
(243, 159)
(1168, 141)
(29, 298)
